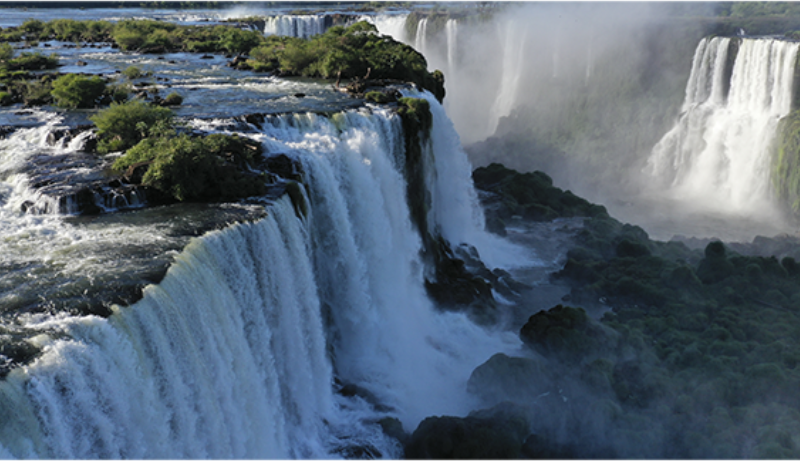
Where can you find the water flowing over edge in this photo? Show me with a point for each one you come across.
(236, 352)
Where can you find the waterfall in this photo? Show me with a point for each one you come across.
(511, 71)
(235, 353)
(393, 25)
(451, 30)
(420, 41)
(718, 153)
(303, 26)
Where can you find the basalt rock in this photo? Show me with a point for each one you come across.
(488, 434)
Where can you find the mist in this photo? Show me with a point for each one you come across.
(585, 92)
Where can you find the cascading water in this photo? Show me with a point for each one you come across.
(513, 61)
(235, 353)
(421, 39)
(303, 26)
(718, 154)
(451, 31)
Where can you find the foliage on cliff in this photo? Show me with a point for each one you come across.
(355, 52)
(786, 162)
(184, 167)
(697, 357)
(122, 125)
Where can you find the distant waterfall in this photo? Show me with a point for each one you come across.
(511, 72)
(451, 29)
(718, 153)
(235, 353)
(303, 26)
(421, 39)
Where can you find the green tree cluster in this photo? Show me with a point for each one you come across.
(76, 91)
(187, 168)
(698, 355)
(354, 52)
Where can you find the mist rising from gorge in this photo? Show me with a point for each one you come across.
(584, 92)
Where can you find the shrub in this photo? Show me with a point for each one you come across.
(33, 62)
(76, 91)
(6, 53)
(173, 99)
(122, 125)
(193, 168)
(351, 52)
(133, 72)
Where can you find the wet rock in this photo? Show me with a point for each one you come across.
(490, 434)
(568, 334)
(503, 378)
(393, 428)
(283, 166)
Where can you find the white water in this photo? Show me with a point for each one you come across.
(303, 26)
(233, 354)
(512, 63)
(717, 156)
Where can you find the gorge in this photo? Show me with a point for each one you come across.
(380, 298)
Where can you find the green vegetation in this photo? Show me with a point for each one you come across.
(184, 167)
(786, 162)
(189, 168)
(144, 36)
(530, 195)
(134, 72)
(356, 52)
(75, 91)
(173, 99)
(698, 358)
(417, 122)
(122, 125)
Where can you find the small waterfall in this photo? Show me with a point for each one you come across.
(718, 154)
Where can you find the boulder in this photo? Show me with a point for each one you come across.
(503, 378)
(489, 434)
(568, 334)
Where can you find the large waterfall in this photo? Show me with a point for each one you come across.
(718, 153)
(236, 353)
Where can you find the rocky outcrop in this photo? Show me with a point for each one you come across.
(493, 434)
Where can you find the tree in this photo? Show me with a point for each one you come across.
(76, 91)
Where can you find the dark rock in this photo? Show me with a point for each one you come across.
(283, 166)
(568, 334)
(503, 378)
(299, 95)
(393, 428)
(538, 448)
(487, 435)
(206, 57)
(81, 63)
(455, 287)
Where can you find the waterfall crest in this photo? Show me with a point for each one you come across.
(718, 153)
(238, 351)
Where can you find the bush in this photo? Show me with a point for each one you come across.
(194, 168)
(33, 62)
(122, 125)
(6, 53)
(133, 72)
(173, 99)
(351, 52)
(76, 91)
